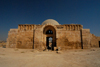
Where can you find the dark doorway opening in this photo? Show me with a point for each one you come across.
(49, 32)
(99, 43)
(49, 43)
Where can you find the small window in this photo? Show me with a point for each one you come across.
(49, 32)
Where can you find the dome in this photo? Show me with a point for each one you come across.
(51, 21)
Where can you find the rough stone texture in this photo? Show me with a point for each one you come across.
(67, 36)
(69, 39)
(38, 43)
(12, 38)
(63, 43)
(94, 41)
(25, 39)
(86, 37)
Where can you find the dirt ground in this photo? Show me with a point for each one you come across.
(10, 57)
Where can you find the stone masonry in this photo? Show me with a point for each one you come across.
(67, 36)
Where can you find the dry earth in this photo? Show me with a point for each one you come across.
(10, 57)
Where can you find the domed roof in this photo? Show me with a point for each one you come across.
(51, 21)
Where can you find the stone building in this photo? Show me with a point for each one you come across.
(67, 36)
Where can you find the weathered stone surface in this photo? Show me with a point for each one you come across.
(12, 38)
(94, 41)
(63, 43)
(86, 37)
(67, 36)
(25, 39)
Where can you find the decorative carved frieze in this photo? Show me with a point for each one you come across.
(25, 27)
(73, 27)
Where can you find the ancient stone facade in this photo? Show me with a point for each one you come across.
(67, 36)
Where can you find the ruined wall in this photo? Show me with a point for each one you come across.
(94, 41)
(12, 38)
(69, 36)
(25, 36)
(86, 38)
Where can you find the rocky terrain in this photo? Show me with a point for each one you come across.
(2, 43)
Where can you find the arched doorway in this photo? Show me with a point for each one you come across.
(49, 33)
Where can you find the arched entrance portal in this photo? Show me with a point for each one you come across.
(49, 33)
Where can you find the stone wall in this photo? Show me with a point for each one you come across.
(68, 39)
(25, 39)
(25, 27)
(38, 40)
(12, 38)
(73, 27)
(89, 40)
(67, 36)
(86, 38)
(94, 41)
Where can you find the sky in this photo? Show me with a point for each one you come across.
(14, 12)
